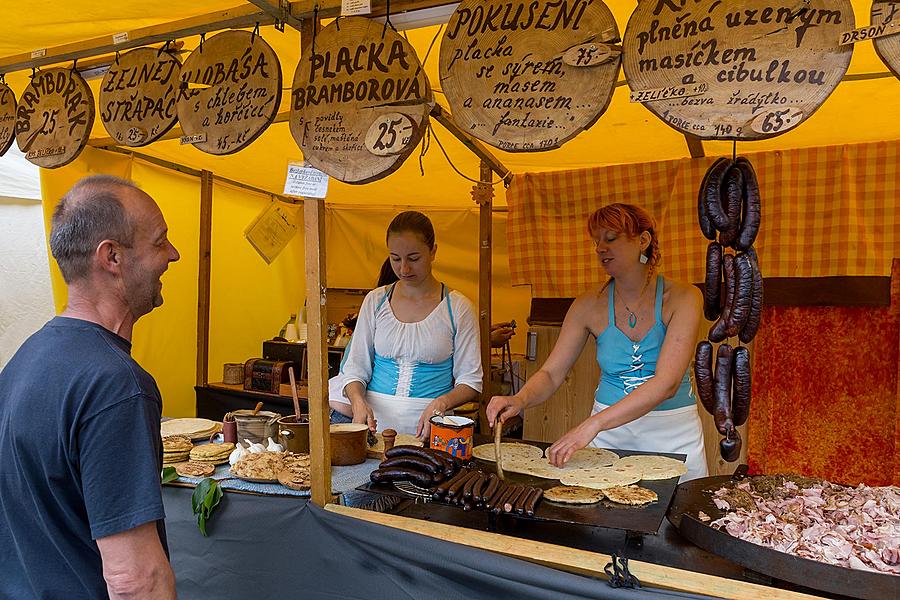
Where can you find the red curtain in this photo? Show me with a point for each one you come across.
(825, 392)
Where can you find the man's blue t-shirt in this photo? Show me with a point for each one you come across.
(80, 458)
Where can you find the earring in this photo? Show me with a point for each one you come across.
(643, 259)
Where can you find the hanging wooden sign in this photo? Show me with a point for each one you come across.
(766, 66)
(7, 118)
(138, 95)
(230, 91)
(353, 75)
(886, 16)
(54, 117)
(526, 75)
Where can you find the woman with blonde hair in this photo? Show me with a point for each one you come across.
(645, 327)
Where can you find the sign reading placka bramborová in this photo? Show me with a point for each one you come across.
(230, 90)
(886, 18)
(360, 100)
(54, 117)
(138, 95)
(527, 75)
(765, 66)
(7, 118)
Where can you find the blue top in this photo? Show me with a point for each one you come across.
(626, 364)
(80, 458)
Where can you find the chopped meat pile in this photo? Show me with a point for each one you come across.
(850, 527)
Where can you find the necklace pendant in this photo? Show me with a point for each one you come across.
(632, 319)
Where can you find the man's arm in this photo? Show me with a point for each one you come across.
(135, 565)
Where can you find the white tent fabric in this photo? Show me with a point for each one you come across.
(18, 177)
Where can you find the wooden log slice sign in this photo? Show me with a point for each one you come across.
(7, 118)
(230, 91)
(138, 95)
(525, 75)
(735, 70)
(360, 100)
(886, 13)
(54, 117)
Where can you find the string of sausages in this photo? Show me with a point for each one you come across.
(454, 483)
(728, 208)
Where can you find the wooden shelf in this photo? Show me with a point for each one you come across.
(302, 389)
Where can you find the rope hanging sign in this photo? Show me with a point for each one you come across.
(7, 118)
(360, 100)
(54, 117)
(735, 70)
(528, 75)
(138, 95)
(230, 92)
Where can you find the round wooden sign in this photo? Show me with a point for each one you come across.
(726, 70)
(230, 91)
(526, 75)
(138, 94)
(54, 117)
(360, 100)
(7, 118)
(886, 17)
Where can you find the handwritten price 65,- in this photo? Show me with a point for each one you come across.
(776, 121)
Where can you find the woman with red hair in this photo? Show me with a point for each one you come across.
(645, 328)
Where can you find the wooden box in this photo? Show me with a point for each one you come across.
(266, 375)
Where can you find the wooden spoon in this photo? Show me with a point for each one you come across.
(297, 412)
(258, 408)
(498, 431)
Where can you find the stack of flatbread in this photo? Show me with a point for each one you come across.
(212, 454)
(259, 466)
(195, 429)
(295, 474)
(176, 449)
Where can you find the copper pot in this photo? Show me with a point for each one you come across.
(292, 435)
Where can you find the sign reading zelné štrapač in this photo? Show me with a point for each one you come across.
(529, 75)
(735, 70)
(358, 80)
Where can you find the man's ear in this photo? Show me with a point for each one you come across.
(109, 256)
(434, 251)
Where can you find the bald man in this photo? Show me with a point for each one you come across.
(81, 512)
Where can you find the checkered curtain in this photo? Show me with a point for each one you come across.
(826, 211)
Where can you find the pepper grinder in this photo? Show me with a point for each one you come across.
(389, 436)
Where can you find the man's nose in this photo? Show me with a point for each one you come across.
(174, 255)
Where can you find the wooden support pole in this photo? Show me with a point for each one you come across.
(203, 282)
(573, 560)
(238, 17)
(695, 146)
(484, 196)
(442, 116)
(280, 10)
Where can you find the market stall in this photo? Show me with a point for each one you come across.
(515, 90)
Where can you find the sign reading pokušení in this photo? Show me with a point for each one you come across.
(230, 90)
(7, 118)
(767, 66)
(527, 75)
(54, 117)
(350, 75)
(138, 95)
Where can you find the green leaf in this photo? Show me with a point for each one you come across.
(204, 500)
(169, 474)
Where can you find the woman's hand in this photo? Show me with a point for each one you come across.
(501, 333)
(575, 439)
(362, 413)
(436, 407)
(503, 407)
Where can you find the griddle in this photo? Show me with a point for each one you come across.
(696, 495)
(644, 519)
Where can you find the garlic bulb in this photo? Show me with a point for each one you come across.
(236, 454)
(254, 448)
(273, 447)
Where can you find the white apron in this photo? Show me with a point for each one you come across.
(674, 431)
(396, 412)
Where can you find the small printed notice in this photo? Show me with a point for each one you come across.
(305, 182)
(193, 139)
(120, 38)
(272, 229)
(350, 8)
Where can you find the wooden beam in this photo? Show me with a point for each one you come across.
(695, 146)
(328, 9)
(232, 18)
(572, 560)
(484, 196)
(280, 10)
(443, 116)
(203, 283)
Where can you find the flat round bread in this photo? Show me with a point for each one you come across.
(192, 428)
(259, 466)
(536, 467)
(294, 480)
(653, 467)
(402, 439)
(589, 458)
(584, 459)
(573, 494)
(176, 443)
(195, 469)
(509, 450)
(212, 450)
(630, 494)
(602, 478)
